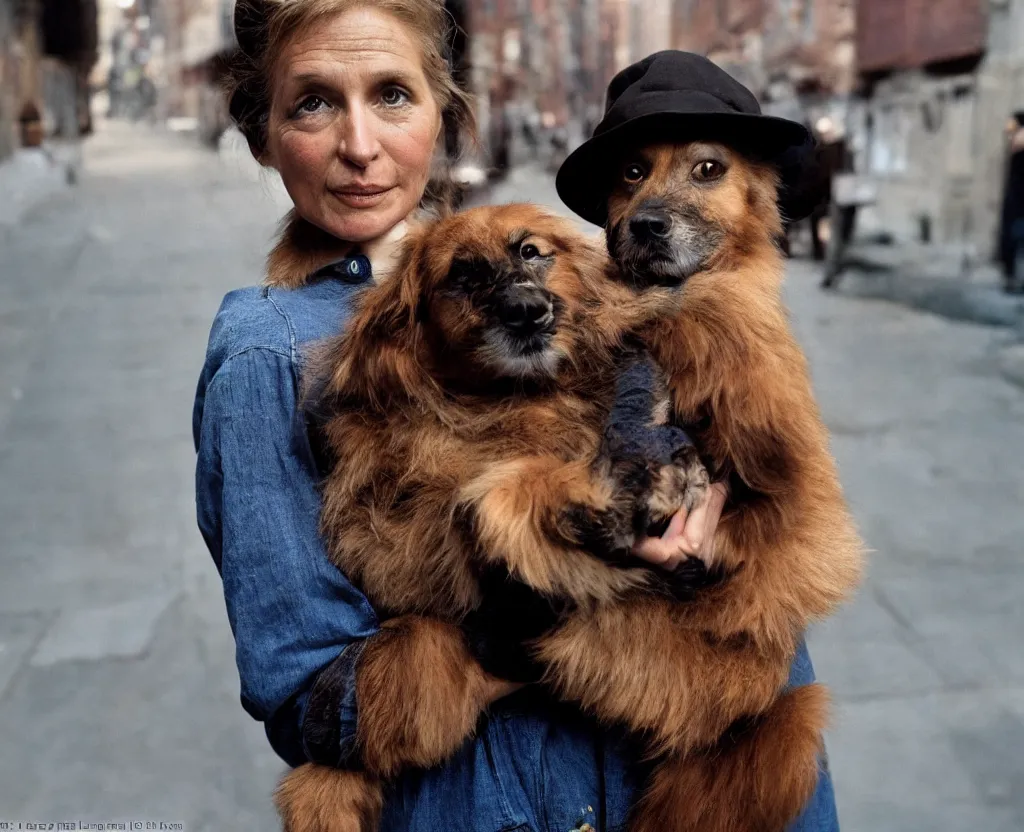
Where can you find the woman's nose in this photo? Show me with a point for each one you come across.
(359, 144)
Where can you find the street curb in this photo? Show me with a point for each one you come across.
(1011, 364)
(956, 300)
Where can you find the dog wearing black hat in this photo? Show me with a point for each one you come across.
(691, 182)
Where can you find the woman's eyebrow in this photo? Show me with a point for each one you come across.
(310, 79)
(376, 78)
(393, 75)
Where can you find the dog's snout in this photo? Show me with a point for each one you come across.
(529, 309)
(650, 225)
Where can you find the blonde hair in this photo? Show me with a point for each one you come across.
(263, 27)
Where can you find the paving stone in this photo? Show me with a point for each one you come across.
(117, 631)
(18, 635)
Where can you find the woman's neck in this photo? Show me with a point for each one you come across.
(302, 249)
(385, 251)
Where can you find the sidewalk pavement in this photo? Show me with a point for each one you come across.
(31, 175)
(934, 278)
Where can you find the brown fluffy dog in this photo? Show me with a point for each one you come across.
(466, 402)
(696, 225)
(468, 398)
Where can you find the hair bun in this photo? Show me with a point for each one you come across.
(251, 27)
(246, 108)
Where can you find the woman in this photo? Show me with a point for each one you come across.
(347, 100)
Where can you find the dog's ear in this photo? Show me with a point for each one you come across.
(380, 356)
(803, 181)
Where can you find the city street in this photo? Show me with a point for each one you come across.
(118, 691)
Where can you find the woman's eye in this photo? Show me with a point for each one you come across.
(394, 96)
(634, 173)
(529, 252)
(311, 104)
(708, 170)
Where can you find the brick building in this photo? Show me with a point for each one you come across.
(549, 61)
(796, 55)
(539, 68)
(922, 88)
(939, 80)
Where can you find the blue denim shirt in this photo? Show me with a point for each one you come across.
(535, 764)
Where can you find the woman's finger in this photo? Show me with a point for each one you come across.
(716, 504)
(663, 551)
(699, 533)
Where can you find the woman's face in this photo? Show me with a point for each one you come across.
(353, 124)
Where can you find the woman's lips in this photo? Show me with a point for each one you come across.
(364, 197)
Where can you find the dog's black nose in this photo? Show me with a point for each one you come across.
(529, 310)
(650, 225)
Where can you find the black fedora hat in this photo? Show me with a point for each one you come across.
(679, 96)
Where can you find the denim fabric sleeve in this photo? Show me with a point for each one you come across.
(298, 623)
(820, 813)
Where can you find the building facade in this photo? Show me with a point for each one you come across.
(548, 62)
(938, 82)
(798, 56)
(47, 48)
(9, 81)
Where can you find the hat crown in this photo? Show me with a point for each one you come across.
(678, 96)
(678, 72)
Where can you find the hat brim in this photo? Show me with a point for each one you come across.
(586, 177)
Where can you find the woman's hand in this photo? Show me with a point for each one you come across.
(689, 534)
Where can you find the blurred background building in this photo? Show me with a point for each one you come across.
(47, 48)
(906, 82)
(918, 90)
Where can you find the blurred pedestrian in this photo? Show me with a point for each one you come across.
(1011, 226)
(832, 156)
(531, 132)
(355, 154)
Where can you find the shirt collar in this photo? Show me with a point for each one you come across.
(354, 269)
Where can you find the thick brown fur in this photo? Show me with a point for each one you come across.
(447, 463)
(740, 383)
(320, 799)
(750, 780)
(447, 467)
(450, 463)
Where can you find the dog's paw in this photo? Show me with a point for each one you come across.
(511, 616)
(689, 578)
(607, 534)
(682, 484)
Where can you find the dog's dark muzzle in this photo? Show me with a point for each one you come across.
(658, 247)
(527, 312)
(650, 227)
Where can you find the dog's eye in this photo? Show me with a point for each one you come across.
(634, 173)
(708, 170)
(529, 251)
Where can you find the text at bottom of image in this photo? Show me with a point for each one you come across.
(131, 825)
